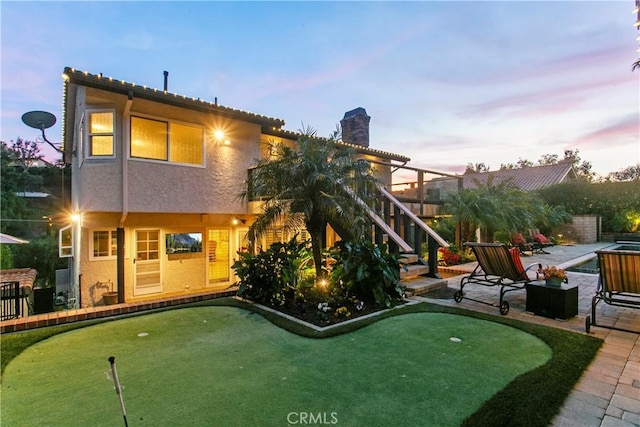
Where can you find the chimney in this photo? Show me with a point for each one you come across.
(166, 80)
(355, 127)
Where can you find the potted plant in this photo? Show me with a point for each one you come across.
(110, 297)
(554, 276)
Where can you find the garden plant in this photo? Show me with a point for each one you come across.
(360, 278)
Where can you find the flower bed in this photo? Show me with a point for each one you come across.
(325, 315)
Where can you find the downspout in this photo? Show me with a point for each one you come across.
(125, 200)
(76, 228)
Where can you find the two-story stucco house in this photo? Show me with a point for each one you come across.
(155, 184)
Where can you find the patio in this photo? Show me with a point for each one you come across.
(608, 393)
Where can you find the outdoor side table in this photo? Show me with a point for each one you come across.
(552, 301)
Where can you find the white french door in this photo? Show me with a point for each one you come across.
(218, 266)
(148, 278)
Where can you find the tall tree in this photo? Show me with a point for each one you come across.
(26, 153)
(548, 159)
(476, 168)
(583, 169)
(521, 163)
(630, 173)
(11, 206)
(305, 185)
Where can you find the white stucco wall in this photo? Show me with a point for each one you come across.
(156, 186)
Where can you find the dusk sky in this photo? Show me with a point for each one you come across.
(446, 83)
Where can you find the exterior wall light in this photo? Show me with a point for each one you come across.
(236, 221)
(219, 135)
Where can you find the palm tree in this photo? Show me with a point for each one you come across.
(491, 207)
(635, 65)
(304, 186)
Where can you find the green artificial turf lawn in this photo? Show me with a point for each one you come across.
(227, 366)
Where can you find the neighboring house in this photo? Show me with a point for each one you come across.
(433, 192)
(155, 184)
(527, 179)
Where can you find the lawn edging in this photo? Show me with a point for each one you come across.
(328, 327)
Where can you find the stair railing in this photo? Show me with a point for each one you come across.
(403, 220)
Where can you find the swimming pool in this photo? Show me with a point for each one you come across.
(590, 266)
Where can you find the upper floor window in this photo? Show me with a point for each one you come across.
(166, 141)
(100, 133)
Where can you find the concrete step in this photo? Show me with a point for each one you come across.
(409, 259)
(422, 285)
(413, 271)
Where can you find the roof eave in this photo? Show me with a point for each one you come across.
(125, 88)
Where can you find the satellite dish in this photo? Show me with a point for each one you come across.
(39, 119)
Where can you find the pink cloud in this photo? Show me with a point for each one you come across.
(551, 100)
(627, 129)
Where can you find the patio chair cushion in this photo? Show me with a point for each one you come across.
(517, 261)
(518, 239)
(541, 238)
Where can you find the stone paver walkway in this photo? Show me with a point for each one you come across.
(608, 393)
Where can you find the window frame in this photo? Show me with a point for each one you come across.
(169, 123)
(113, 237)
(66, 250)
(88, 142)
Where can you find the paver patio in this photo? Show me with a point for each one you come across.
(608, 394)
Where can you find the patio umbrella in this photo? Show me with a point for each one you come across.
(11, 240)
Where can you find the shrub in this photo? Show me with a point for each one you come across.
(283, 276)
(40, 254)
(454, 255)
(445, 227)
(366, 271)
(607, 199)
(272, 276)
(6, 257)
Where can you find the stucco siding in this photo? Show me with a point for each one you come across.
(185, 273)
(98, 276)
(100, 187)
(164, 187)
(160, 186)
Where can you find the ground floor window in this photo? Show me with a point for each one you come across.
(104, 244)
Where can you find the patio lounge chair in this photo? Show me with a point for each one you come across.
(518, 241)
(539, 241)
(618, 285)
(497, 266)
